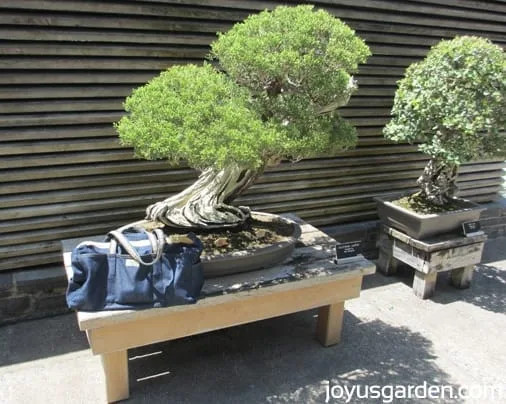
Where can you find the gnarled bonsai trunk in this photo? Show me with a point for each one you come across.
(438, 182)
(205, 204)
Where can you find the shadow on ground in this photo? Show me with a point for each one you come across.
(55, 336)
(278, 361)
(495, 250)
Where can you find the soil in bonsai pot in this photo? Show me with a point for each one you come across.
(416, 203)
(252, 235)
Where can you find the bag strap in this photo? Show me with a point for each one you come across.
(156, 238)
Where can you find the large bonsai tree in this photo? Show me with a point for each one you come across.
(454, 103)
(282, 75)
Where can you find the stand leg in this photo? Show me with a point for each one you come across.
(461, 277)
(330, 324)
(424, 285)
(386, 264)
(115, 366)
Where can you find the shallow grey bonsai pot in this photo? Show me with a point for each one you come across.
(264, 257)
(246, 260)
(422, 226)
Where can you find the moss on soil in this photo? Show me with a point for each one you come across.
(416, 203)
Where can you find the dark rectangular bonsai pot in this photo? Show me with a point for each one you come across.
(422, 226)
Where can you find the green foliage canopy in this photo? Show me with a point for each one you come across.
(293, 52)
(296, 62)
(196, 114)
(284, 74)
(454, 102)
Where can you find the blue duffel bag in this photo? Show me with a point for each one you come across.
(135, 269)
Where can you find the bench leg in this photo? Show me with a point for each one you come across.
(115, 366)
(386, 263)
(424, 285)
(330, 324)
(461, 277)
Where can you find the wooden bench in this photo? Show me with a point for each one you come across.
(308, 279)
(448, 252)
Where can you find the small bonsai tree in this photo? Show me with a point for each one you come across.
(454, 103)
(283, 75)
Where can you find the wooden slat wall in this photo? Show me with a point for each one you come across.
(66, 66)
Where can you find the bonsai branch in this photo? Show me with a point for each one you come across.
(340, 100)
(438, 182)
(205, 204)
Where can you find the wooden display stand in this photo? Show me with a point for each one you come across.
(449, 252)
(308, 279)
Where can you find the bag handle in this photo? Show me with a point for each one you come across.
(156, 238)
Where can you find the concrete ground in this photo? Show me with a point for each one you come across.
(391, 341)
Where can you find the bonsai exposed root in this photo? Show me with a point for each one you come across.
(205, 204)
(438, 182)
